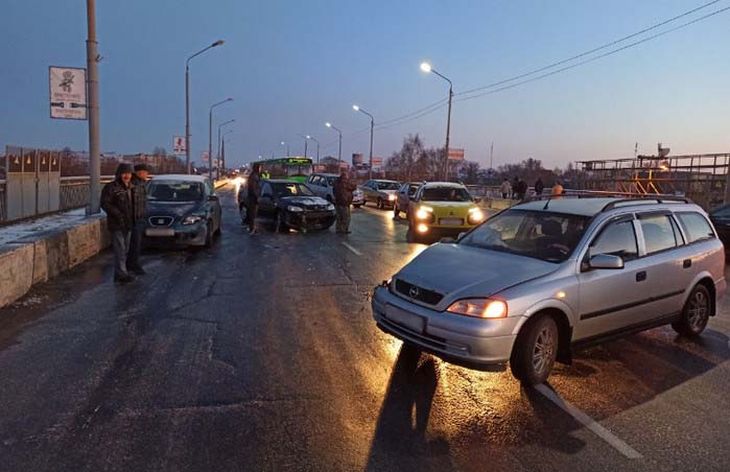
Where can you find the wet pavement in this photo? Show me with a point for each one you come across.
(261, 354)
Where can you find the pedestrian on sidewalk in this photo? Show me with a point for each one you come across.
(505, 189)
(253, 190)
(539, 187)
(139, 203)
(116, 201)
(521, 190)
(342, 190)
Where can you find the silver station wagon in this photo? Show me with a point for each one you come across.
(543, 277)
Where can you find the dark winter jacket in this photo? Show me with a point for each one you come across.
(539, 187)
(342, 189)
(116, 201)
(254, 186)
(139, 198)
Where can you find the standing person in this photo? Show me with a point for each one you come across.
(116, 201)
(515, 188)
(139, 203)
(557, 190)
(253, 190)
(539, 187)
(521, 189)
(505, 189)
(343, 189)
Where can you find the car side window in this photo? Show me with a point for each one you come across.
(695, 226)
(659, 233)
(317, 180)
(616, 239)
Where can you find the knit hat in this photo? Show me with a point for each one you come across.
(142, 167)
(123, 168)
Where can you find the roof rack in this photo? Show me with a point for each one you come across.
(623, 197)
(661, 199)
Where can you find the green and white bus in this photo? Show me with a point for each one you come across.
(296, 169)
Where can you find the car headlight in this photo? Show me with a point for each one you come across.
(480, 308)
(476, 216)
(330, 207)
(424, 213)
(391, 197)
(295, 209)
(192, 219)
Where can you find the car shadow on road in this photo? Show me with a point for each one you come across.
(400, 441)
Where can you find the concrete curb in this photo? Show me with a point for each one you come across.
(38, 258)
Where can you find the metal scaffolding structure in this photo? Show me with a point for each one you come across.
(701, 177)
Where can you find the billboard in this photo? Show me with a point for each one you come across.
(456, 154)
(67, 92)
(357, 159)
(178, 145)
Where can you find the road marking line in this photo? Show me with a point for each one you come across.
(589, 423)
(355, 251)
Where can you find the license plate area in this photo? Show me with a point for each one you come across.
(451, 221)
(159, 232)
(409, 320)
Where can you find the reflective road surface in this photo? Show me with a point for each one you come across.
(261, 354)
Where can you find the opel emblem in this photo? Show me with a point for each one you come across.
(413, 292)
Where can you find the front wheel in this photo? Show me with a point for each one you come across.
(696, 313)
(535, 350)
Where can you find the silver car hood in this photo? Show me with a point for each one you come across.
(446, 268)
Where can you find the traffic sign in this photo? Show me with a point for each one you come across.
(67, 92)
(178, 145)
(456, 154)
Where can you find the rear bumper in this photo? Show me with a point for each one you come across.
(459, 339)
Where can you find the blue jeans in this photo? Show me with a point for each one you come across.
(120, 243)
(135, 246)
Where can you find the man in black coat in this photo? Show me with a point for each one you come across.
(139, 203)
(116, 201)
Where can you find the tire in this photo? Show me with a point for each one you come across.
(209, 234)
(535, 350)
(696, 312)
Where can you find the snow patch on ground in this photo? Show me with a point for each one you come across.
(16, 232)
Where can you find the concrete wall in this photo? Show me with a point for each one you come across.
(36, 259)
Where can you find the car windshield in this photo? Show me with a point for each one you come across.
(446, 194)
(292, 190)
(175, 191)
(542, 235)
(387, 185)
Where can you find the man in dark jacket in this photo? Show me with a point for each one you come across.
(116, 201)
(139, 202)
(342, 190)
(539, 187)
(253, 192)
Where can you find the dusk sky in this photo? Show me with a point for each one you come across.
(292, 65)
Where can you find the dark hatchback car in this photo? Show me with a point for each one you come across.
(293, 205)
(182, 210)
(721, 219)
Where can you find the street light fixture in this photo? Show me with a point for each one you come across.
(187, 101)
(372, 126)
(427, 68)
(210, 135)
(284, 143)
(316, 141)
(339, 147)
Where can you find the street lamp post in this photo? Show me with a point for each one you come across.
(285, 144)
(210, 136)
(187, 101)
(339, 147)
(220, 126)
(426, 67)
(372, 126)
(92, 84)
(222, 151)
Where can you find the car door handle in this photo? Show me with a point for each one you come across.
(687, 263)
(641, 276)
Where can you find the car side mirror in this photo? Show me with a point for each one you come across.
(606, 261)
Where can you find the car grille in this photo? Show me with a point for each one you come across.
(415, 292)
(160, 220)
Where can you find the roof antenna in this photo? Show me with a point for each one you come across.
(547, 203)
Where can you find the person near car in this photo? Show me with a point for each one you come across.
(557, 191)
(521, 189)
(505, 189)
(117, 202)
(515, 184)
(139, 201)
(253, 191)
(342, 190)
(539, 187)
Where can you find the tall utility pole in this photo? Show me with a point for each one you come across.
(426, 67)
(491, 156)
(372, 127)
(92, 86)
(305, 147)
(210, 136)
(339, 146)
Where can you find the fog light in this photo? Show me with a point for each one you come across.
(422, 228)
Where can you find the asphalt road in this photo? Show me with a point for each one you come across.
(261, 354)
